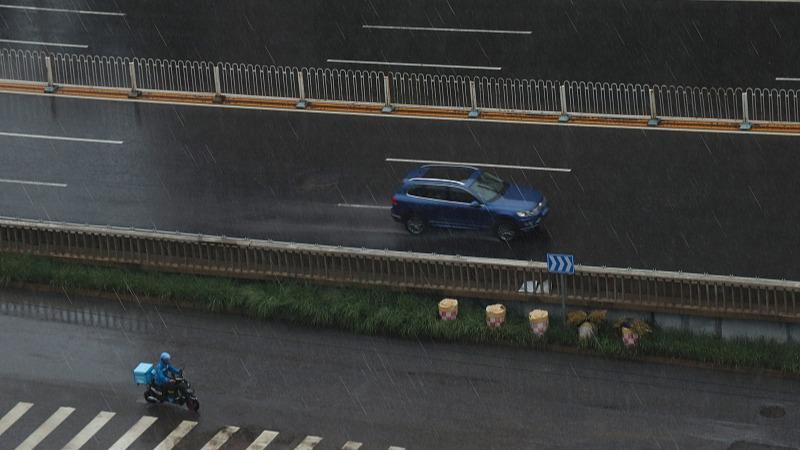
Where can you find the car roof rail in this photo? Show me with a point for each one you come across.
(460, 183)
(463, 166)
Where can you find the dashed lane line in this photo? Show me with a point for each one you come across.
(60, 138)
(89, 430)
(451, 30)
(45, 428)
(32, 183)
(48, 44)
(220, 438)
(133, 433)
(13, 415)
(497, 166)
(176, 435)
(350, 445)
(61, 10)
(362, 206)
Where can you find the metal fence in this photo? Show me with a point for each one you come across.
(680, 293)
(416, 89)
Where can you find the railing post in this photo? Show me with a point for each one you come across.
(387, 93)
(51, 87)
(134, 92)
(746, 125)
(654, 120)
(218, 97)
(301, 89)
(564, 117)
(473, 113)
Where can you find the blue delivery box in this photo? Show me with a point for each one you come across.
(143, 373)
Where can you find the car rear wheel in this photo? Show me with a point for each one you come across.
(415, 225)
(506, 231)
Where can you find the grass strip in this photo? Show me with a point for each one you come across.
(384, 312)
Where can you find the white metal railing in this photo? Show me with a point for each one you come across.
(770, 105)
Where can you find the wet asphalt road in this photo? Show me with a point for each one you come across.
(698, 202)
(77, 352)
(710, 43)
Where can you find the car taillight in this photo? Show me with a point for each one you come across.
(394, 200)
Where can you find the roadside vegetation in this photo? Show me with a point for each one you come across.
(383, 312)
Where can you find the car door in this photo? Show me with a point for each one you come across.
(430, 203)
(465, 210)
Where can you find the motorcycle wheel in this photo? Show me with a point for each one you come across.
(193, 404)
(147, 397)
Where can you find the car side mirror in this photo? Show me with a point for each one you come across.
(475, 204)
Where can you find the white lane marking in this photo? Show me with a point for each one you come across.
(220, 438)
(45, 428)
(49, 44)
(83, 436)
(13, 415)
(33, 183)
(356, 205)
(60, 138)
(263, 440)
(75, 11)
(396, 448)
(408, 64)
(637, 128)
(453, 30)
(350, 445)
(176, 435)
(787, 78)
(497, 166)
(308, 443)
(751, 1)
(133, 433)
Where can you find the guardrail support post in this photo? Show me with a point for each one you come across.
(218, 97)
(387, 93)
(301, 89)
(51, 87)
(473, 113)
(563, 289)
(564, 117)
(654, 120)
(746, 125)
(134, 92)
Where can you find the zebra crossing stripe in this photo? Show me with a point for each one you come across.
(133, 433)
(45, 428)
(308, 443)
(263, 440)
(13, 415)
(220, 438)
(83, 436)
(176, 435)
(350, 445)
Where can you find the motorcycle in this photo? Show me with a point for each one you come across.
(178, 392)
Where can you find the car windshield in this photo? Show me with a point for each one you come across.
(488, 187)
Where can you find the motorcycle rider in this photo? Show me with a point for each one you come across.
(165, 374)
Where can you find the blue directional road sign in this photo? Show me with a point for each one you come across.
(559, 263)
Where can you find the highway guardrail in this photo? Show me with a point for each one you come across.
(470, 95)
(485, 278)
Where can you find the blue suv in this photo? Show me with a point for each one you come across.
(465, 197)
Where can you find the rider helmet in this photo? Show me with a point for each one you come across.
(165, 358)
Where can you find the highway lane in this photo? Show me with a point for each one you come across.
(699, 202)
(714, 43)
(78, 353)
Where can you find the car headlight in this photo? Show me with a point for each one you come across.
(528, 213)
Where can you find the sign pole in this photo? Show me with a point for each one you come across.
(563, 297)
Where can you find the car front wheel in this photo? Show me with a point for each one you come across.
(506, 231)
(415, 225)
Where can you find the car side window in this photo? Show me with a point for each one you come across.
(432, 192)
(460, 195)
